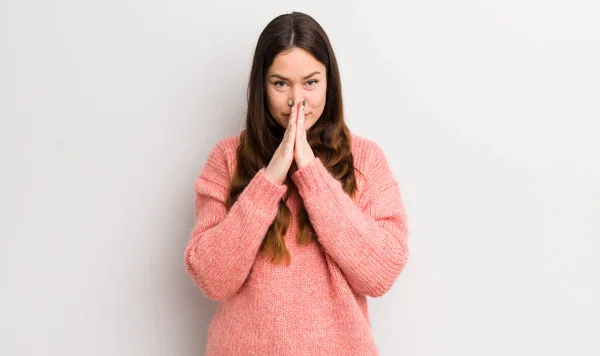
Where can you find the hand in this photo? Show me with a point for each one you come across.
(303, 153)
(283, 156)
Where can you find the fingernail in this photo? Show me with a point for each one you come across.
(303, 102)
(292, 102)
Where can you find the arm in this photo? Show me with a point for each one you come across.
(368, 240)
(224, 244)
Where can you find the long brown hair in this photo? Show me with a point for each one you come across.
(329, 137)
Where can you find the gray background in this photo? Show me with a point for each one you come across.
(487, 110)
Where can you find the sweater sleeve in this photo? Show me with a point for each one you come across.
(223, 244)
(368, 240)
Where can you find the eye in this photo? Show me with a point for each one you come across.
(312, 81)
(278, 82)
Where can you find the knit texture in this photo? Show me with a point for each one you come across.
(317, 305)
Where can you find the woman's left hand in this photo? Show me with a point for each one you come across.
(303, 154)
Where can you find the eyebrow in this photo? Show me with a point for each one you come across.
(284, 78)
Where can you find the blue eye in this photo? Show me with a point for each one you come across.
(278, 83)
(314, 80)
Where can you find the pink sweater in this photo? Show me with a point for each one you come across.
(317, 305)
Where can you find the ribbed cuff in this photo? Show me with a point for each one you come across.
(313, 177)
(264, 193)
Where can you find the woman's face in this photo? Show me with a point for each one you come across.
(296, 74)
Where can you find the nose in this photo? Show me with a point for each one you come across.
(295, 100)
(297, 94)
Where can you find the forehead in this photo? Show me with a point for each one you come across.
(296, 62)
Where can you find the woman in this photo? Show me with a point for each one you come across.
(297, 219)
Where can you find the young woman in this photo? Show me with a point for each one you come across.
(297, 219)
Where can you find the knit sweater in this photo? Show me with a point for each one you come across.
(316, 305)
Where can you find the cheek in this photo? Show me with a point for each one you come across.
(277, 101)
(271, 99)
(319, 100)
(276, 106)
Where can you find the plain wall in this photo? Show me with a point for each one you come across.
(488, 112)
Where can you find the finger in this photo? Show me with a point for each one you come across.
(289, 124)
(292, 120)
(300, 123)
(289, 145)
(291, 130)
(301, 118)
(295, 111)
(292, 114)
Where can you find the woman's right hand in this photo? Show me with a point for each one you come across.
(283, 157)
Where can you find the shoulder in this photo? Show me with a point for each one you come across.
(228, 145)
(370, 159)
(221, 159)
(365, 152)
(362, 142)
